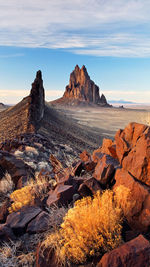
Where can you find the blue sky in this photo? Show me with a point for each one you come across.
(111, 38)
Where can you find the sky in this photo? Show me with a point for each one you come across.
(110, 37)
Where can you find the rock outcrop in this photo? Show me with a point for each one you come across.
(134, 253)
(37, 96)
(81, 90)
(26, 115)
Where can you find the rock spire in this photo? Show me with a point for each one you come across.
(37, 98)
(82, 88)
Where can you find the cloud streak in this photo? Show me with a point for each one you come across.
(11, 55)
(90, 27)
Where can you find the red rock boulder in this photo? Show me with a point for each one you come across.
(136, 207)
(85, 156)
(108, 147)
(135, 253)
(62, 195)
(19, 220)
(138, 160)
(39, 224)
(89, 187)
(126, 139)
(105, 169)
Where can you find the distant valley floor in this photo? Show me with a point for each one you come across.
(106, 121)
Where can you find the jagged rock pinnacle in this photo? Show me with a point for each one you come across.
(37, 98)
(82, 88)
(39, 75)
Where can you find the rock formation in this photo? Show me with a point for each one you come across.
(37, 98)
(26, 115)
(81, 89)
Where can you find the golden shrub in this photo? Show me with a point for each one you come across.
(124, 199)
(91, 227)
(21, 197)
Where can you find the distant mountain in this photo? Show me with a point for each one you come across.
(121, 101)
(81, 90)
(2, 105)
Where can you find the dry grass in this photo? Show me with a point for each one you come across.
(6, 187)
(9, 256)
(6, 184)
(56, 216)
(92, 227)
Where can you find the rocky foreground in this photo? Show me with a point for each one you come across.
(43, 174)
(123, 162)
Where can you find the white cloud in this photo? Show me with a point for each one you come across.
(14, 96)
(91, 27)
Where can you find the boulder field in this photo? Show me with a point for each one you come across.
(123, 163)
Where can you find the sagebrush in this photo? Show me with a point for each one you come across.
(21, 197)
(92, 227)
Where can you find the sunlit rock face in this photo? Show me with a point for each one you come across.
(82, 88)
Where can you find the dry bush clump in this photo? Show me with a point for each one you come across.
(36, 188)
(91, 228)
(21, 197)
(124, 199)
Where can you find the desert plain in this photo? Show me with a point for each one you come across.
(103, 122)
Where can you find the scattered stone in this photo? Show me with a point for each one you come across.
(19, 220)
(15, 167)
(85, 156)
(97, 154)
(4, 210)
(6, 233)
(104, 170)
(39, 224)
(77, 168)
(62, 195)
(89, 187)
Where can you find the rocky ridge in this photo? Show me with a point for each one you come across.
(26, 115)
(81, 90)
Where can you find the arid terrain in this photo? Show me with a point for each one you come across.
(104, 121)
(74, 180)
